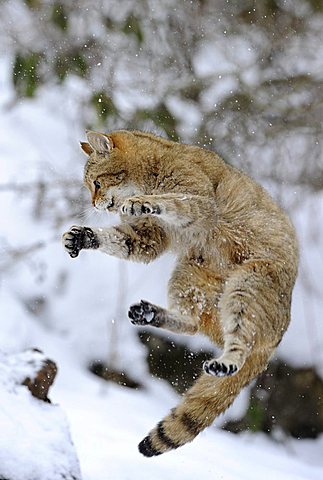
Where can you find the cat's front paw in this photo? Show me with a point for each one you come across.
(219, 369)
(78, 238)
(137, 206)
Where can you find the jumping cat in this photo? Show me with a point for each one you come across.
(237, 259)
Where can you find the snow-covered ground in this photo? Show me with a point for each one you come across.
(107, 422)
(35, 441)
(68, 309)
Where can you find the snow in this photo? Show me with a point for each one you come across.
(68, 308)
(35, 440)
(107, 423)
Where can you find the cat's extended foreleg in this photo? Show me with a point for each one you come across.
(174, 209)
(143, 241)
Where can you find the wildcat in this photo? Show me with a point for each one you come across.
(237, 259)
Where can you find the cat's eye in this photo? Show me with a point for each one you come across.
(97, 184)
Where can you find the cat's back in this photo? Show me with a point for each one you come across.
(251, 216)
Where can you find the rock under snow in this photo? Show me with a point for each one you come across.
(35, 442)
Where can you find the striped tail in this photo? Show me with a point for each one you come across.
(204, 401)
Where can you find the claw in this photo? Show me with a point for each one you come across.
(219, 369)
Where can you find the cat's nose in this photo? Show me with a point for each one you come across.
(110, 203)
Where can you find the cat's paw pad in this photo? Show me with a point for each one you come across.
(78, 238)
(143, 313)
(220, 369)
(72, 240)
(136, 206)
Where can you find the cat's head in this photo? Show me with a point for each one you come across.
(107, 174)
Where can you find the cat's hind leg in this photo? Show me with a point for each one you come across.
(253, 313)
(193, 296)
(146, 313)
(234, 355)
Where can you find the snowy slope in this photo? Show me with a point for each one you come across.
(107, 425)
(107, 422)
(35, 439)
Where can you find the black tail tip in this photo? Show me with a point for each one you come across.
(146, 448)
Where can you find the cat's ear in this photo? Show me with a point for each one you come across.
(100, 142)
(86, 147)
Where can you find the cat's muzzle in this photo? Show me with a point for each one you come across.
(110, 203)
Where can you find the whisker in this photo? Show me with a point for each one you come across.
(86, 214)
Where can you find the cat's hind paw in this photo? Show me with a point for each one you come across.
(219, 369)
(144, 313)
